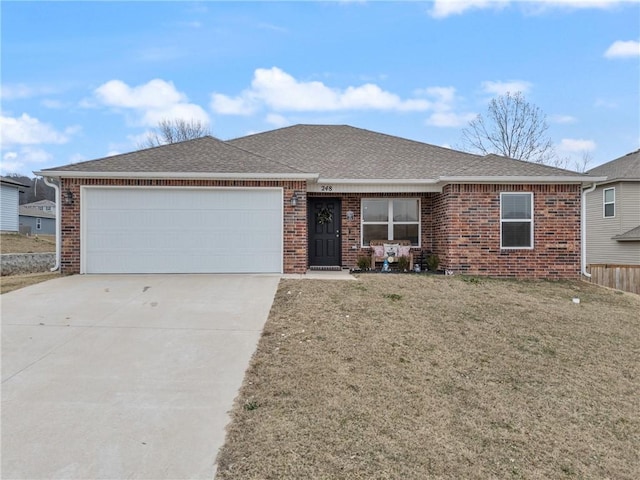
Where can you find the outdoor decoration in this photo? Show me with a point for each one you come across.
(324, 216)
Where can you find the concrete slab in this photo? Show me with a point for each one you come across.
(343, 274)
(112, 376)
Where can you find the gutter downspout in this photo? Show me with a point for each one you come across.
(56, 187)
(583, 230)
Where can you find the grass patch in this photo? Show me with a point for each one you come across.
(14, 282)
(502, 379)
(16, 243)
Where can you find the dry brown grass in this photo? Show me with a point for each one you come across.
(14, 282)
(15, 243)
(414, 377)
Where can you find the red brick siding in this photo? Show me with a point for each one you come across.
(461, 225)
(295, 223)
(467, 232)
(351, 229)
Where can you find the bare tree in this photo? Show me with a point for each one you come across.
(176, 130)
(513, 128)
(582, 165)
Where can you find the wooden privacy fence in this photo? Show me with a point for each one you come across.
(621, 277)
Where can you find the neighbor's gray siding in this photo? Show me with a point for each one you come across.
(600, 247)
(8, 208)
(48, 225)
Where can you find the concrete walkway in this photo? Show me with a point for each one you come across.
(125, 376)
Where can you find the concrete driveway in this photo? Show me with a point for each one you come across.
(125, 376)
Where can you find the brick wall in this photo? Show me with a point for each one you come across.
(467, 232)
(461, 225)
(351, 228)
(295, 218)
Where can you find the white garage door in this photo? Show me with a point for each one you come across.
(181, 230)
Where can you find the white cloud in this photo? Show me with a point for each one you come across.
(603, 103)
(275, 89)
(562, 119)
(573, 145)
(447, 8)
(24, 160)
(443, 106)
(153, 94)
(501, 88)
(232, 106)
(622, 49)
(151, 102)
(21, 90)
(277, 120)
(53, 104)
(27, 130)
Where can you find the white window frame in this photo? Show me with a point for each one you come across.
(605, 203)
(38, 224)
(390, 223)
(513, 220)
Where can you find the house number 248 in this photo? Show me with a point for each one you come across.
(326, 188)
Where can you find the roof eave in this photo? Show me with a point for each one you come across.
(379, 181)
(521, 179)
(176, 175)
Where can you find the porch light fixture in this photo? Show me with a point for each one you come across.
(350, 215)
(294, 199)
(68, 197)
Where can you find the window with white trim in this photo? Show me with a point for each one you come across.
(609, 202)
(38, 223)
(390, 219)
(516, 220)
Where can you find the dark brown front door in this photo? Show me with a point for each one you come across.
(324, 232)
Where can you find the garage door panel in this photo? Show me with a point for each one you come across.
(173, 230)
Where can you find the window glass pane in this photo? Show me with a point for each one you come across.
(516, 234)
(609, 210)
(375, 211)
(405, 210)
(516, 206)
(373, 232)
(609, 195)
(406, 232)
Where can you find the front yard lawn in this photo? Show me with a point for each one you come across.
(416, 376)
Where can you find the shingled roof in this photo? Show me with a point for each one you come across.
(345, 152)
(626, 167)
(330, 152)
(632, 235)
(202, 155)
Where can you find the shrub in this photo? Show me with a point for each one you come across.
(364, 262)
(403, 264)
(433, 261)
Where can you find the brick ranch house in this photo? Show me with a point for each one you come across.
(314, 196)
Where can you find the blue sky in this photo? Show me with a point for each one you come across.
(83, 80)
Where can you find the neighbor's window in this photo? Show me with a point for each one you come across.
(609, 197)
(38, 223)
(516, 220)
(391, 219)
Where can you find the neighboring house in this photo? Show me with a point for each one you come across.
(314, 196)
(613, 213)
(35, 221)
(9, 198)
(41, 205)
